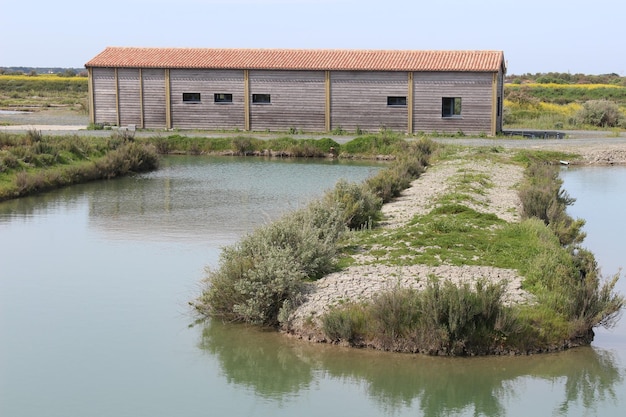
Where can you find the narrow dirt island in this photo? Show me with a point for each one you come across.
(488, 185)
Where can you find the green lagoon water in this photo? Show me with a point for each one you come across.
(95, 282)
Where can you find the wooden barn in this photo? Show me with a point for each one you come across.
(310, 90)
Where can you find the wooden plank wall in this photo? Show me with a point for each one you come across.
(154, 98)
(105, 96)
(475, 90)
(359, 100)
(297, 100)
(207, 114)
(129, 96)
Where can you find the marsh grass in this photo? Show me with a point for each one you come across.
(32, 162)
(442, 319)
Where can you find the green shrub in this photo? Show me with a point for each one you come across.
(385, 143)
(130, 157)
(8, 160)
(394, 315)
(263, 273)
(345, 323)
(360, 207)
(162, 145)
(34, 135)
(443, 318)
(601, 113)
(542, 197)
(242, 145)
(389, 183)
(460, 320)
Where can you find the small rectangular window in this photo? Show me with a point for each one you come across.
(451, 107)
(223, 98)
(261, 98)
(396, 101)
(191, 97)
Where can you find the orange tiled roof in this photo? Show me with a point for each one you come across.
(299, 59)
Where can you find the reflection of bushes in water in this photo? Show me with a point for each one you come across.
(594, 383)
(445, 386)
(258, 359)
(275, 367)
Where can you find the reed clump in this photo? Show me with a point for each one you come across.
(442, 319)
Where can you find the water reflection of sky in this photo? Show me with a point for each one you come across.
(600, 194)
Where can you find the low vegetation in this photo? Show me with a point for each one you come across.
(44, 91)
(569, 296)
(565, 101)
(32, 162)
(242, 145)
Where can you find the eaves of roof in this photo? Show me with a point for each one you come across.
(299, 59)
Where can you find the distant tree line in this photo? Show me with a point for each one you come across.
(566, 78)
(34, 71)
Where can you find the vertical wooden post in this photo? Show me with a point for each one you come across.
(141, 109)
(168, 100)
(494, 103)
(92, 100)
(327, 107)
(409, 105)
(117, 97)
(246, 100)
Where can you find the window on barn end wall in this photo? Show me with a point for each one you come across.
(261, 98)
(451, 107)
(223, 98)
(396, 101)
(191, 97)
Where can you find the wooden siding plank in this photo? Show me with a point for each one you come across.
(475, 91)
(168, 99)
(129, 96)
(104, 96)
(207, 114)
(298, 100)
(154, 98)
(246, 100)
(92, 105)
(409, 104)
(359, 100)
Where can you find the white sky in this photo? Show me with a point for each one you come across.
(573, 36)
